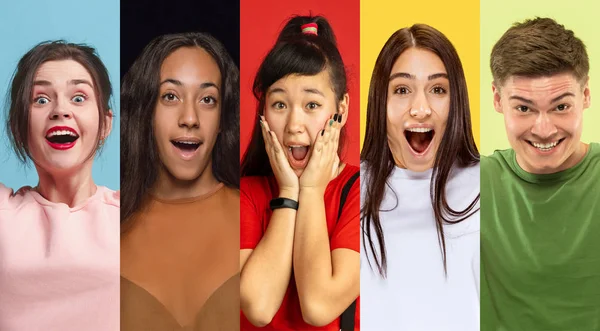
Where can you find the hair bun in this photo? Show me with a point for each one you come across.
(307, 27)
(310, 28)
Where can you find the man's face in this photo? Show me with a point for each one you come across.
(543, 118)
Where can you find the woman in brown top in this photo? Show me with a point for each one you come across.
(180, 187)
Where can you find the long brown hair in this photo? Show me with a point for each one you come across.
(457, 146)
(139, 93)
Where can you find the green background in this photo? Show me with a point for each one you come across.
(496, 17)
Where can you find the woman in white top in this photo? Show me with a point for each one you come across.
(419, 190)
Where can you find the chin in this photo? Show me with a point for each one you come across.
(298, 172)
(185, 175)
(420, 165)
(59, 164)
(544, 167)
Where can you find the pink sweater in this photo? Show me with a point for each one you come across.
(59, 266)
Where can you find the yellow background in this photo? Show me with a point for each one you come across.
(496, 17)
(458, 20)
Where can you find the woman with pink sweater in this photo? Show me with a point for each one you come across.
(59, 241)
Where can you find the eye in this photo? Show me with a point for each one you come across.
(209, 100)
(438, 90)
(562, 107)
(169, 97)
(522, 109)
(278, 105)
(402, 90)
(312, 105)
(78, 98)
(41, 100)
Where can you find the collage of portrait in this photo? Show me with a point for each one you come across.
(331, 165)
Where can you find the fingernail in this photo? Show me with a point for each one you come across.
(340, 119)
(330, 122)
(335, 117)
(322, 132)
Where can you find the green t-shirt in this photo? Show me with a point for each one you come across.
(540, 246)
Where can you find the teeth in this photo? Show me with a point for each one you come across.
(187, 142)
(295, 146)
(62, 133)
(545, 146)
(420, 130)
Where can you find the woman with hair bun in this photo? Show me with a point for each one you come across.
(299, 203)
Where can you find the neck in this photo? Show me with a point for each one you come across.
(168, 187)
(66, 187)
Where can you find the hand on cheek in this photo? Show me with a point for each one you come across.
(324, 160)
(286, 178)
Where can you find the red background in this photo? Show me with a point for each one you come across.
(260, 25)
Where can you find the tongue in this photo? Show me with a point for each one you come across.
(419, 141)
(299, 153)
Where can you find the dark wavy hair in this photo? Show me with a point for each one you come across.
(294, 53)
(457, 147)
(21, 89)
(139, 93)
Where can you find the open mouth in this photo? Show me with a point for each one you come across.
(187, 146)
(298, 155)
(61, 137)
(419, 139)
(545, 147)
(298, 152)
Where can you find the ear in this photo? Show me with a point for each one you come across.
(497, 98)
(587, 98)
(343, 108)
(107, 124)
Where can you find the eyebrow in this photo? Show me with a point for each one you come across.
(276, 90)
(409, 76)
(307, 90)
(314, 91)
(71, 82)
(566, 94)
(179, 83)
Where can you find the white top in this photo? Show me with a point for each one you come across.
(416, 295)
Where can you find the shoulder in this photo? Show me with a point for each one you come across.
(595, 151)
(496, 163)
(230, 194)
(10, 199)
(257, 189)
(469, 173)
(350, 173)
(249, 182)
(109, 197)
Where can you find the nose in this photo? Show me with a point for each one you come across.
(419, 109)
(543, 127)
(295, 121)
(60, 111)
(188, 116)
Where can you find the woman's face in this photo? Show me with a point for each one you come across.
(296, 109)
(187, 114)
(417, 108)
(64, 116)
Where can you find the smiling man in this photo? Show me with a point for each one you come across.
(540, 200)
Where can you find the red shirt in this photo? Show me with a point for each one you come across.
(255, 214)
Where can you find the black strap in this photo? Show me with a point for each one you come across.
(347, 318)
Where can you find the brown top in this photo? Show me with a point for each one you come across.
(180, 265)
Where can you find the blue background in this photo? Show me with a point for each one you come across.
(25, 23)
